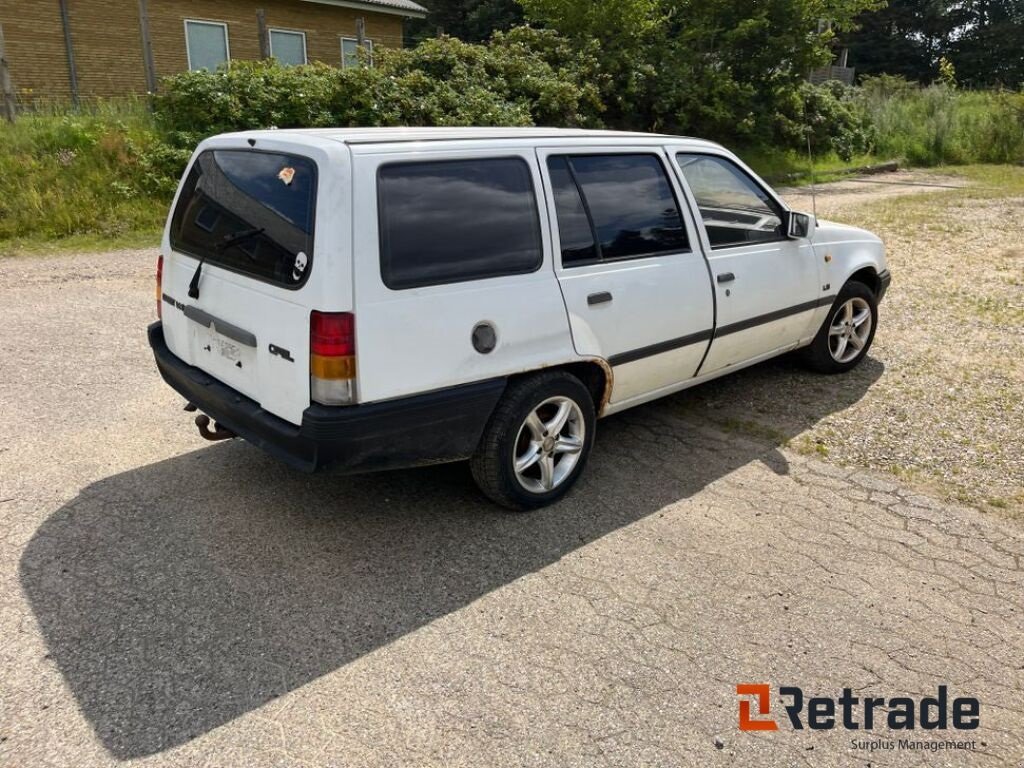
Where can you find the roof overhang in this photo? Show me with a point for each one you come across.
(376, 7)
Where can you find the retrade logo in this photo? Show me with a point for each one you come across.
(763, 694)
(851, 713)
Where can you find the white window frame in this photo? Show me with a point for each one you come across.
(209, 23)
(301, 33)
(368, 42)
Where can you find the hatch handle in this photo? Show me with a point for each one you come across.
(224, 328)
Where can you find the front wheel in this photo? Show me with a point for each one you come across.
(537, 441)
(847, 333)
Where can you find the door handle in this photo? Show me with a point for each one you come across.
(726, 277)
(599, 298)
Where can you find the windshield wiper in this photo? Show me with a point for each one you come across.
(240, 237)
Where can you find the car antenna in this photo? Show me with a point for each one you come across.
(810, 165)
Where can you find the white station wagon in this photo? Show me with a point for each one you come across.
(381, 298)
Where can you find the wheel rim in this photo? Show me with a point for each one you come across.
(849, 330)
(549, 445)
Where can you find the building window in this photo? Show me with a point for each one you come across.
(206, 43)
(288, 46)
(349, 51)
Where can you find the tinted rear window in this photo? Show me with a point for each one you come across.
(250, 212)
(632, 207)
(455, 220)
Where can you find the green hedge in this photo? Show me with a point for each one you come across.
(523, 77)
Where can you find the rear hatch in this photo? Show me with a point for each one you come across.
(242, 261)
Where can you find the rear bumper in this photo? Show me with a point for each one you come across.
(884, 279)
(435, 427)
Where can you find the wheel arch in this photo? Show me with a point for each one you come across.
(595, 373)
(868, 276)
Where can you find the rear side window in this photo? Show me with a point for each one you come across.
(626, 201)
(250, 212)
(574, 231)
(450, 221)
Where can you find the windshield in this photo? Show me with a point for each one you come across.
(250, 212)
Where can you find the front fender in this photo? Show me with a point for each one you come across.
(847, 250)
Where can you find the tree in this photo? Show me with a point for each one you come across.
(720, 68)
(473, 21)
(984, 40)
(906, 38)
(988, 49)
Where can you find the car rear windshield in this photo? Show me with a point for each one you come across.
(251, 212)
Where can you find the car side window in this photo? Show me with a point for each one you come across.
(449, 221)
(612, 207)
(735, 210)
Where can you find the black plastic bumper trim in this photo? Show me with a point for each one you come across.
(435, 427)
(884, 280)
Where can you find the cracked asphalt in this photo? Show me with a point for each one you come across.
(176, 603)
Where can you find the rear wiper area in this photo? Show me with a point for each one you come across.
(240, 237)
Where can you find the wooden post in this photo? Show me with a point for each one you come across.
(361, 40)
(10, 105)
(147, 47)
(69, 48)
(261, 23)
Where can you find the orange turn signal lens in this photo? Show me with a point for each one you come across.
(333, 368)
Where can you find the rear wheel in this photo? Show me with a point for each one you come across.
(537, 441)
(847, 333)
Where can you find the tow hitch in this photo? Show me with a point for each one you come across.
(217, 433)
(203, 422)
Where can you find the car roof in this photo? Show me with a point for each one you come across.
(353, 136)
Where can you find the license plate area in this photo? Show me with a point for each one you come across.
(224, 358)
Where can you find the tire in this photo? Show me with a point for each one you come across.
(512, 434)
(834, 349)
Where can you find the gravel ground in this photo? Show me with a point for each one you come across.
(945, 409)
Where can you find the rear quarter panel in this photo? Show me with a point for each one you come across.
(420, 339)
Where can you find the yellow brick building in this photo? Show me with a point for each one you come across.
(63, 49)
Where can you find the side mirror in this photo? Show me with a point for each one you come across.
(798, 225)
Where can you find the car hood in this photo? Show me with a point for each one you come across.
(832, 232)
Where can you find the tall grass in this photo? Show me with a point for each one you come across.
(87, 172)
(941, 125)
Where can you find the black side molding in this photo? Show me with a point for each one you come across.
(656, 349)
(695, 338)
(771, 317)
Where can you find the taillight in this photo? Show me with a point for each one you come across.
(332, 357)
(159, 287)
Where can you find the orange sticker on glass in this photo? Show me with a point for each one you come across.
(287, 175)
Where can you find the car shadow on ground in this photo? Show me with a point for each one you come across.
(178, 596)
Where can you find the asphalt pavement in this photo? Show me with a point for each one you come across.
(168, 601)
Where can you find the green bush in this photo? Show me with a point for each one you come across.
(523, 77)
(830, 115)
